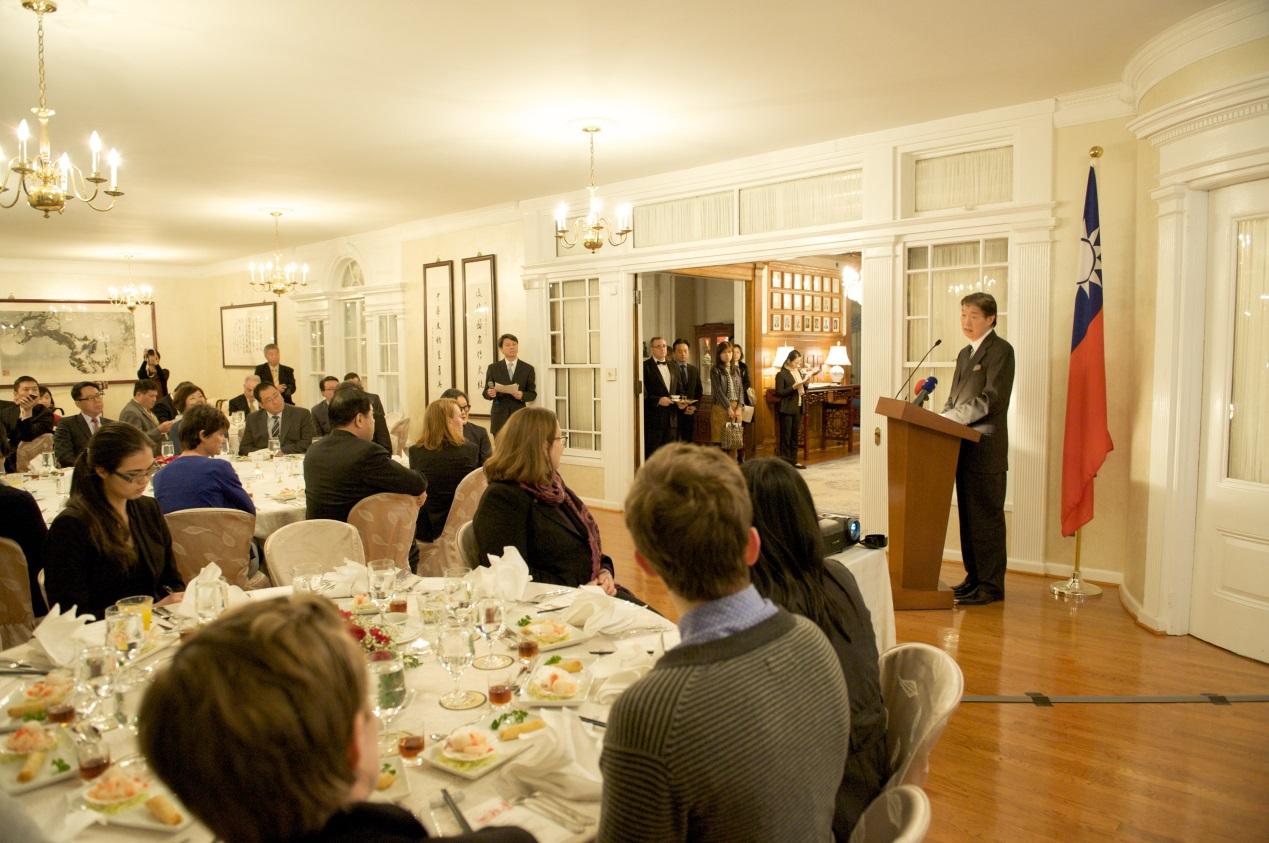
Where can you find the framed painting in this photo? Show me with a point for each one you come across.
(775, 301)
(480, 328)
(60, 343)
(797, 301)
(797, 281)
(797, 321)
(837, 325)
(777, 280)
(815, 324)
(815, 283)
(438, 329)
(788, 301)
(245, 329)
(837, 305)
(775, 322)
(788, 322)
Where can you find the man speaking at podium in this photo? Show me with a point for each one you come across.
(980, 398)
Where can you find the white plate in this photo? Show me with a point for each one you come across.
(400, 788)
(504, 751)
(138, 816)
(47, 775)
(584, 680)
(7, 723)
(575, 636)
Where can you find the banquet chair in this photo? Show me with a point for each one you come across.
(440, 554)
(921, 686)
(898, 815)
(467, 549)
(386, 524)
(210, 534)
(399, 431)
(28, 451)
(320, 542)
(17, 617)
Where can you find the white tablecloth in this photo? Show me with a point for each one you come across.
(872, 573)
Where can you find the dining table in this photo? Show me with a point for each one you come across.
(483, 800)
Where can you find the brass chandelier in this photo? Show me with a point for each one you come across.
(50, 183)
(275, 276)
(132, 295)
(592, 230)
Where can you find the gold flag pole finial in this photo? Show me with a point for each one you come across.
(1095, 152)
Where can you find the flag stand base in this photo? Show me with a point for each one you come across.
(1074, 587)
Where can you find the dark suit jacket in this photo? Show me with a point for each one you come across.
(657, 419)
(554, 546)
(296, 431)
(340, 470)
(504, 405)
(375, 822)
(383, 436)
(71, 437)
(76, 573)
(238, 404)
(18, 430)
(285, 374)
(787, 393)
(321, 417)
(979, 398)
(24, 524)
(479, 437)
(689, 387)
(444, 469)
(164, 409)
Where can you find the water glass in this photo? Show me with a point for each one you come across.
(383, 576)
(457, 589)
(97, 668)
(124, 631)
(167, 449)
(92, 752)
(59, 482)
(307, 578)
(489, 620)
(142, 605)
(210, 598)
(224, 448)
(275, 446)
(387, 685)
(455, 651)
(46, 463)
(432, 614)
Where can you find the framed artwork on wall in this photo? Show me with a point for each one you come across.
(775, 301)
(788, 322)
(797, 281)
(817, 283)
(777, 279)
(797, 301)
(797, 322)
(438, 329)
(776, 322)
(245, 329)
(788, 301)
(815, 324)
(837, 325)
(60, 343)
(480, 328)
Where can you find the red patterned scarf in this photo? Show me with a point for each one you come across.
(557, 494)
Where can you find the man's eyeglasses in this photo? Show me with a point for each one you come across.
(137, 476)
(464, 408)
(96, 396)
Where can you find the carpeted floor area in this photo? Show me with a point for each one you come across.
(835, 485)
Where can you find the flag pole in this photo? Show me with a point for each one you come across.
(1074, 586)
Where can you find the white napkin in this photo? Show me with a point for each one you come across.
(55, 634)
(506, 577)
(187, 607)
(596, 612)
(563, 761)
(620, 670)
(348, 579)
(260, 455)
(74, 823)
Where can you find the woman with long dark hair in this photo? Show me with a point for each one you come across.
(791, 571)
(790, 388)
(151, 368)
(728, 393)
(111, 540)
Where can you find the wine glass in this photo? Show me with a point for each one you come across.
(457, 590)
(455, 650)
(210, 598)
(167, 449)
(383, 575)
(432, 614)
(97, 669)
(387, 685)
(489, 620)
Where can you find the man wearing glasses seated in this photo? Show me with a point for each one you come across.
(472, 432)
(72, 435)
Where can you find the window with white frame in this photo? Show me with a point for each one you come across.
(355, 336)
(317, 350)
(389, 381)
(574, 336)
(937, 277)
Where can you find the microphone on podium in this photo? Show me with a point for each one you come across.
(923, 389)
(937, 343)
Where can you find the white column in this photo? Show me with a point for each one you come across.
(882, 327)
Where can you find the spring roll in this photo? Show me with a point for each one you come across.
(34, 763)
(511, 733)
(386, 778)
(163, 810)
(19, 710)
(571, 666)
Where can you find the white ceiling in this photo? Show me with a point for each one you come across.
(360, 114)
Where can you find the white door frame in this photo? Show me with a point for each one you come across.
(1213, 140)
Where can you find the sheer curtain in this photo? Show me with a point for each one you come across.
(966, 179)
(1249, 393)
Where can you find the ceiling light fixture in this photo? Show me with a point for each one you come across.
(131, 296)
(49, 184)
(274, 276)
(592, 229)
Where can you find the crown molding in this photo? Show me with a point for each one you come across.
(1204, 34)
(96, 269)
(1240, 101)
(1091, 105)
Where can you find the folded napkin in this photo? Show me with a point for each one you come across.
(187, 607)
(348, 579)
(506, 577)
(56, 634)
(598, 613)
(563, 761)
(260, 455)
(75, 823)
(620, 670)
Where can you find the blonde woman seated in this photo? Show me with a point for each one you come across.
(303, 765)
(444, 456)
(528, 506)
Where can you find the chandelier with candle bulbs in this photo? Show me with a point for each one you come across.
(275, 276)
(50, 183)
(132, 295)
(592, 230)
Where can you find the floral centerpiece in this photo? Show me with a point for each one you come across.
(374, 639)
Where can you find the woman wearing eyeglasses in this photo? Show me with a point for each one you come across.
(111, 540)
(444, 457)
(473, 433)
(527, 506)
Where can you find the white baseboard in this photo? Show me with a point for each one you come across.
(1134, 608)
(1051, 569)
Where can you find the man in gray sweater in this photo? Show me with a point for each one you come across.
(741, 731)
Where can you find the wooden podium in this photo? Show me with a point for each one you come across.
(921, 456)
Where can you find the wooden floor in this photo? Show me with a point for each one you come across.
(1139, 772)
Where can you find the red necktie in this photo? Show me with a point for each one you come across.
(94, 424)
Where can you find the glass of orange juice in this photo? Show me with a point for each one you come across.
(141, 604)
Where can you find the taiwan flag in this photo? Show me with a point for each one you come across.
(1087, 439)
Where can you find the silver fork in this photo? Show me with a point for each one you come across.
(550, 813)
(560, 805)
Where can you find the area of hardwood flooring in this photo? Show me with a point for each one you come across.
(1013, 772)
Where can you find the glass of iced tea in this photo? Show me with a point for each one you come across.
(527, 649)
(501, 689)
(93, 753)
(410, 748)
(397, 604)
(61, 712)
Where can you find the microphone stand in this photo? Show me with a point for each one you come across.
(937, 343)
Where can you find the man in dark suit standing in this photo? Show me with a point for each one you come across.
(72, 435)
(291, 426)
(271, 371)
(382, 436)
(246, 403)
(510, 371)
(24, 418)
(343, 468)
(658, 410)
(688, 388)
(321, 410)
(980, 398)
